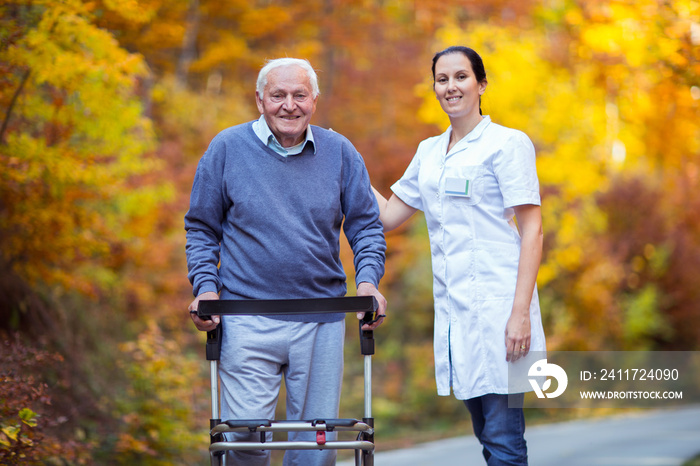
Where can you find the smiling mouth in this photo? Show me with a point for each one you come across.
(453, 99)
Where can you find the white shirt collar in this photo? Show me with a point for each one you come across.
(262, 130)
(473, 135)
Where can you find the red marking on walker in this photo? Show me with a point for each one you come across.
(320, 437)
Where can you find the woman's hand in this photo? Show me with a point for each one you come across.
(518, 335)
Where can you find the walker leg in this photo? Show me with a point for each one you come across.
(217, 458)
(213, 353)
(367, 349)
(368, 455)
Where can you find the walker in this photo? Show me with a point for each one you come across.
(363, 445)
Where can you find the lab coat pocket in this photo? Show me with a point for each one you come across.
(496, 270)
(470, 178)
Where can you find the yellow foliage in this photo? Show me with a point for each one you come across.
(76, 137)
(133, 10)
(228, 48)
(259, 22)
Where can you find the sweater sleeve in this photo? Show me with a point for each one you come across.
(362, 226)
(204, 220)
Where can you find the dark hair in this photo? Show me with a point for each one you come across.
(474, 59)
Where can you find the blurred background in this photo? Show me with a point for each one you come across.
(106, 107)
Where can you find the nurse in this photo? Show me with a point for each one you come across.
(474, 182)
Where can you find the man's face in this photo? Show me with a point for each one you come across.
(287, 104)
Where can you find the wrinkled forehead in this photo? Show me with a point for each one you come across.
(291, 78)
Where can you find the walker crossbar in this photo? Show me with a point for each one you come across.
(363, 446)
(350, 445)
(265, 425)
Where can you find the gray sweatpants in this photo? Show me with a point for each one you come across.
(256, 352)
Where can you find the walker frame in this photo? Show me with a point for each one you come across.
(363, 446)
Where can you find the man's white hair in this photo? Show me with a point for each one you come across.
(278, 62)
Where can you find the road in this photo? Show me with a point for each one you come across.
(643, 438)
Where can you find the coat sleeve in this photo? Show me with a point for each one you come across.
(516, 170)
(407, 188)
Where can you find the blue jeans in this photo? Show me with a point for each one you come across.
(500, 429)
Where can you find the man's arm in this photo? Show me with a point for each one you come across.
(203, 223)
(364, 232)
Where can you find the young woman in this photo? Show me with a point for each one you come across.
(473, 183)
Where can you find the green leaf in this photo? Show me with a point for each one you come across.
(28, 417)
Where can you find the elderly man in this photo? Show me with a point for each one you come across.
(268, 201)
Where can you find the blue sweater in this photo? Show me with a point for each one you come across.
(272, 223)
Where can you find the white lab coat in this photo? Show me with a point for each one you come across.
(475, 250)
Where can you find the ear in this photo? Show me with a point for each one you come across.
(259, 103)
(482, 86)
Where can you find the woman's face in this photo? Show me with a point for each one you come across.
(456, 87)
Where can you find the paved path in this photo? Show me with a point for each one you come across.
(644, 438)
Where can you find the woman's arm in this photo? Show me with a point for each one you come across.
(518, 327)
(393, 212)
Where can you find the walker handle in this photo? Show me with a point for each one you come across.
(366, 304)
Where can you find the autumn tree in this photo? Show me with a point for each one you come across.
(75, 199)
(73, 140)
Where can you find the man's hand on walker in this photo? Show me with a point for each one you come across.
(367, 289)
(203, 325)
